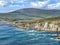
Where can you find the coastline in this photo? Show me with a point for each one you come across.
(48, 24)
(38, 26)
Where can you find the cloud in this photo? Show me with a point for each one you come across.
(54, 6)
(42, 4)
(24, 3)
(18, 1)
(3, 3)
(57, 0)
(39, 4)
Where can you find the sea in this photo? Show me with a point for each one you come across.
(10, 35)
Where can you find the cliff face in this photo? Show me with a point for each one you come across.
(49, 24)
(44, 25)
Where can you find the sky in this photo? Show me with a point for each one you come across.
(12, 5)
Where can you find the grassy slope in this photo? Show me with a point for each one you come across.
(30, 13)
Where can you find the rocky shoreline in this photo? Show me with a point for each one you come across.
(40, 25)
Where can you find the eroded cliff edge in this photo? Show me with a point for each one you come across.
(48, 24)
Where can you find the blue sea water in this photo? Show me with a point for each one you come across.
(10, 35)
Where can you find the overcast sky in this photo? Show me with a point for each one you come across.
(12, 5)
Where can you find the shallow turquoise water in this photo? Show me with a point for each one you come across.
(10, 35)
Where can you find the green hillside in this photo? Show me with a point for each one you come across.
(29, 13)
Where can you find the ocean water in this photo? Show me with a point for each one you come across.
(10, 35)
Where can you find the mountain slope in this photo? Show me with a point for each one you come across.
(30, 13)
(38, 12)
